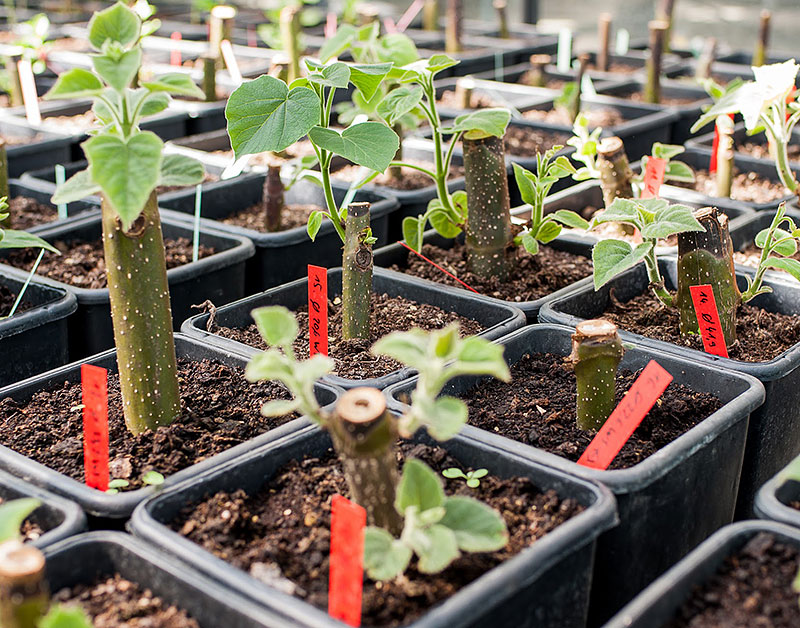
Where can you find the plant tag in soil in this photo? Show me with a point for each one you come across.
(317, 310)
(411, 12)
(175, 51)
(230, 61)
(625, 418)
(653, 177)
(712, 165)
(347, 560)
(29, 96)
(94, 396)
(705, 306)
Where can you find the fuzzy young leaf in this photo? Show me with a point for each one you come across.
(443, 221)
(419, 487)
(117, 23)
(477, 527)
(440, 62)
(678, 171)
(13, 239)
(413, 228)
(671, 220)
(336, 45)
(408, 347)
(548, 231)
(399, 102)
(75, 83)
(314, 223)
(180, 170)
(12, 514)
(621, 210)
(369, 144)
(666, 151)
(75, 188)
(445, 419)
(484, 121)
(331, 75)
(118, 72)
(436, 548)
(385, 557)
(787, 245)
(174, 83)
(525, 184)
(791, 266)
(611, 257)
(154, 103)
(367, 77)
(277, 325)
(270, 365)
(570, 219)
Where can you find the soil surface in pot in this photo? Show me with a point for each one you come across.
(411, 179)
(220, 409)
(82, 264)
(25, 212)
(7, 298)
(604, 117)
(537, 407)
(761, 151)
(672, 101)
(550, 83)
(292, 216)
(751, 255)
(281, 534)
(116, 602)
(761, 335)
(352, 357)
(480, 99)
(18, 140)
(532, 276)
(618, 68)
(81, 121)
(747, 186)
(30, 529)
(752, 589)
(522, 141)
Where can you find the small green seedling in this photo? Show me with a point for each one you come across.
(117, 484)
(149, 478)
(473, 478)
(777, 245)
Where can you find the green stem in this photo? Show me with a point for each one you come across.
(754, 289)
(654, 276)
(760, 54)
(24, 597)
(356, 273)
(784, 169)
(142, 319)
(405, 164)
(209, 78)
(658, 37)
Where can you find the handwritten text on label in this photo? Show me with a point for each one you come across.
(95, 425)
(705, 306)
(317, 310)
(347, 560)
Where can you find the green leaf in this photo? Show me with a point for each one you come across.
(436, 548)
(548, 231)
(78, 186)
(126, 170)
(477, 527)
(442, 220)
(729, 103)
(440, 62)
(408, 347)
(419, 486)
(678, 171)
(333, 75)
(277, 325)
(118, 483)
(175, 83)
(791, 266)
(570, 219)
(621, 210)
(370, 144)
(786, 248)
(12, 514)
(265, 115)
(526, 187)
(666, 151)
(75, 83)
(313, 368)
(484, 121)
(674, 219)
(13, 239)
(269, 365)
(118, 72)
(397, 48)
(611, 257)
(385, 557)
(279, 407)
(367, 77)
(154, 103)
(153, 478)
(530, 243)
(59, 616)
(180, 170)
(116, 23)
(399, 102)
(446, 418)
(336, 45)
(413, 229)
(314, 223)
(453, 472)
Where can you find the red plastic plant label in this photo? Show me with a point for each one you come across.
(712, 165)
(626, 417)
(705, 306)
(94, 396)
(330, 25)
(346, 576)
(317, 310)
(653, 176)
(175, 52)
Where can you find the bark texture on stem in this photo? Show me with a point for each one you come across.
(356, 273)
(209, 78)
(273, 198)
(453, 30)
(762, 45)
(707, 258)
(364, 434)
(501, 6)
(604, 37)
(290, 39)
(652, 88)
(665, 13)
(725, 154)
(596, 353)
(24, 596)
(706, 60)
(488, 231)
(615, 171)
(142, 318)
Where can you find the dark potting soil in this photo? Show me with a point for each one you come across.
(352, 357)
(25, 212)
(220, 409)
(752, 589)
(672, 101)
(478, 100)
(531, 277)
(604, 117)
(31, 530)
(7, 298)
(281, 535)
(116, 602)
(747, 186)
(538, 408)
(82, 264)
(761, 151)
(550, 83)
(618, 68)
(761, 335)
(411, 179)
(523, 141)
(253, 217)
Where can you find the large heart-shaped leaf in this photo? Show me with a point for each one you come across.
(484, 121)
(126, 170)
(117, 23)
(367, 78)
(180, 170)
(332, 75)
(118, 72)
(671, 220)
(611, 257)
(75, 83)
(369, 144)
(265, 115)
(399, 102)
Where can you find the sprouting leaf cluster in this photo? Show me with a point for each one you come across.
(778, 244)
(471, 478)
(149, 478)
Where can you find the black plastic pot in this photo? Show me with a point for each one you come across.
(652, 497)
(41, 149)
(546, 585)
(744, 230)
(34, 340)
(219, 277)
(513, 96)
(398, 254)
(513, 74)
(705, 143)
(57, 517)
(110, 508)
(745, 58)
(660, 602)
(42, 193)
(497, 318)
(635, 59)
(89, 558)
(773, 499)
(774, 434)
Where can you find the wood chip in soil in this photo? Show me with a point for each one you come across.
(524, 141)
(752, 589)
(31, 528)
(410, 178)
(292, 216)
(761, 335)
(604, 117)
(531, 277)
(82, 264)
(220, 409)
(537, 407)
(747, 186)
(352, 357)
(116, 602)
(281, 534)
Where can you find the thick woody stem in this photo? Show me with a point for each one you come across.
(430, 15)
(356, 273)
(209, 78)
(724, 156)
(290, 39)
(220, 27)
(464, 89)
(604, 36)
(537, 75)
(615, 172)
(4, 189)
(707, 258)
(501, 6)
(396, 172)
(652, 88)
(575, 104)
(760, 54)
(706, 60)
(596, 353)
(142, 318)
(15, 84)
(664, 14)
(273, 198)
(453, 26)
(24, 597)
(488, 231)
(364, 434)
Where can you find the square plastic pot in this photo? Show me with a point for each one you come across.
(41, 149)
(397, 254)
(774, 498)
(513, 74)
(497, 319)
(113, 508)
(57, 517)
(35, 339)
(652, 496)
(513, 96)
(219, 277)
(635, 59)
(705, 143)
(745, 229)
(546, 585)
(95, 556)
(42, 193)
(660, 602)
(773, 437)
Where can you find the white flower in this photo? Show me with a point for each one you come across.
(772, 84)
